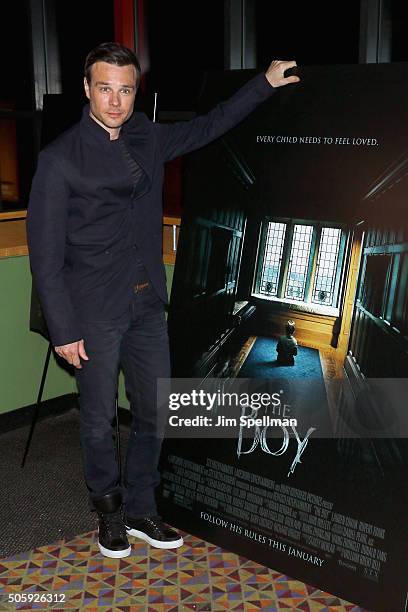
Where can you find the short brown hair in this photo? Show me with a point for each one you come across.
(111, 53)
(290, 327)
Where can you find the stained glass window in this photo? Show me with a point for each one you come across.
(299, 262)
(272, 259)
(325, 277)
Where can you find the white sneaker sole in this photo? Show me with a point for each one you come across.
(114, 554)
(155, 543)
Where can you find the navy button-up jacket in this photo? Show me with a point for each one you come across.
(93, 199)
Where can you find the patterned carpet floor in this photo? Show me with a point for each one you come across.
(198, 576)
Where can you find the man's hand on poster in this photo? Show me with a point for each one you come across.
(275, 73)
(73, 353)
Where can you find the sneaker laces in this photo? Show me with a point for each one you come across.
(114, 525)
(156, 522)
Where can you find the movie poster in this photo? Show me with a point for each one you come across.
(288, 322)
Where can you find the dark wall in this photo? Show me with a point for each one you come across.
(208, 257)
(379, 336)
(399, 20)
(185, 39)
(17, 84)
(80, 27)
(318, 32)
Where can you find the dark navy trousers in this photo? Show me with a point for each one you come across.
(138, 342)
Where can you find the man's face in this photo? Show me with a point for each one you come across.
(111, 94)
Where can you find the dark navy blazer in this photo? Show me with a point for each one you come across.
(96, 205)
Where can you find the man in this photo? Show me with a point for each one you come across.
(95, 235)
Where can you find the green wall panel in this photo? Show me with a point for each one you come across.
(23, 352)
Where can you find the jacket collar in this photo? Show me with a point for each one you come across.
(134, 127)
(90, 126)
(135, 133)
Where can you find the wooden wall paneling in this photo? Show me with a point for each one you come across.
(253, 246)
(233, 267)
(377, 355)
(212, 244)
(311, 329)
(393, 282)
(383, 355)
(13, 238)
(352, 264)
(357, 331)
(370, 344)
(376, 349)
(365, 340)
(353, 341)
(387, 286)
(400, 311)
(379, 339)
(360, 331)
(9, 191)
(390, 354)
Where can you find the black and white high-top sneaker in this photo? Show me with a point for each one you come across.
(151, 529)
(112, 538)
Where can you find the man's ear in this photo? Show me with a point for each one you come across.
(86, 87)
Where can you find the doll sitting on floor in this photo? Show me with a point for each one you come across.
(287, 346)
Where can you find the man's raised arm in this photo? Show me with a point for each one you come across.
(182, 137)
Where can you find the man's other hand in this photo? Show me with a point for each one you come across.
(73, 353)
(275, 73)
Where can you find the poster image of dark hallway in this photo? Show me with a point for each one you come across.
(291, 284)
